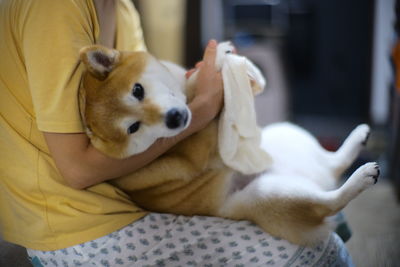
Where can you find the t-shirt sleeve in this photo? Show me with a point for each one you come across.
(53, 32)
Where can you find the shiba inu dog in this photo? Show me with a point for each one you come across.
(129, 99)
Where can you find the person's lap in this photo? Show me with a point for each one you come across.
(172, 240)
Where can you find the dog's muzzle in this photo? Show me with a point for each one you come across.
(176, 118)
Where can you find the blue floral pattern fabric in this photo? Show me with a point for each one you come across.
(173, 240)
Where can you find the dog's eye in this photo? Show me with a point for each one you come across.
(138, 91)
(134, 127)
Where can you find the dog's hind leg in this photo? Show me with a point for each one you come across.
(342, 159)
(285, 206)
(295, 209)
(364, 177)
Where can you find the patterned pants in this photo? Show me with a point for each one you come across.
(171, 240)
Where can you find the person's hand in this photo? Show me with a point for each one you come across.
(199, 64)
(193, 70)
(209, 85)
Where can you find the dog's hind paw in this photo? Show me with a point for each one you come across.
(362, 133)
(376, 173)
(364, 177)
(368, 173)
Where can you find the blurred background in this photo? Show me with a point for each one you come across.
(329, 65)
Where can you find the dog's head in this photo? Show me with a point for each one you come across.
(128, 100)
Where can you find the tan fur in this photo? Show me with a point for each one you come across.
(179, 180)
(100, 105)
(175, 182)
(189, 179)
(150, 112)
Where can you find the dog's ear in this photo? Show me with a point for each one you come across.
(99, 60)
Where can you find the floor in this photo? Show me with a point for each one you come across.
(12, 255)
(375, 221)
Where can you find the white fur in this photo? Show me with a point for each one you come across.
(302, 170)
(166, 91)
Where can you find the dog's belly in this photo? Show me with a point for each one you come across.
(296, 152)
(202, 195)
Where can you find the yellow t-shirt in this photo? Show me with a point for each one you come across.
(39, 78)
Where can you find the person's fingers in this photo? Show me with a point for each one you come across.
(210, 53)
(199, 64)
(189, 73)
(196, 67)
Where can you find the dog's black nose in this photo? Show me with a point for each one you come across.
(176, 118)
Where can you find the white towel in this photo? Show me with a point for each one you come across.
(239, 136)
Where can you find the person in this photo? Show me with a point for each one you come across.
(55, 199)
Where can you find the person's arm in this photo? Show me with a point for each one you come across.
(82, 165)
